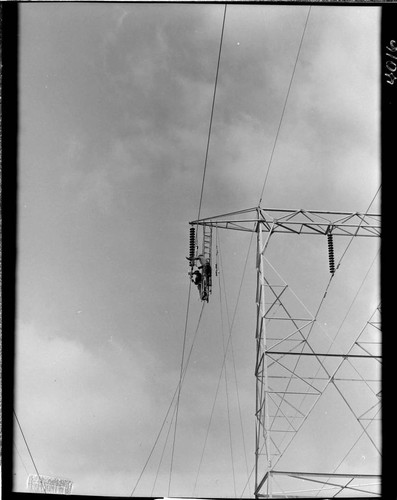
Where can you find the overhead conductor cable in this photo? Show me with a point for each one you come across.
(199, 211)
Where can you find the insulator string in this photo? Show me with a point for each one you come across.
(331, 253)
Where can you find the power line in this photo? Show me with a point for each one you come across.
(362, 220)
(351, 448)
(337, 267)
(354, 299)
(264, 184)
(163, 451)
(198, 216)
(210, 419)
(231, 341)
(284, 107)
(212, 111)
(23, 463)
(340, 261)
(226, 381)
(315, 322)
(30, 454)
(223, 362)
(170, 405)
(179, 386)
(330, 378)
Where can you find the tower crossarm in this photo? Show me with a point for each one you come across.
(297, 222)
(282, 406)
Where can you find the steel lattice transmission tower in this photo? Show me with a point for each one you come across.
(285, 393)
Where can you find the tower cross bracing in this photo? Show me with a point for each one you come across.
(300, 221)
(286, 390)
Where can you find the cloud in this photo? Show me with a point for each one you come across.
(81, 410)
(118, 155)
(164, 92)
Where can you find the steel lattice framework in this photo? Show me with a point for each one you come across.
(286, 390)
(297, 222)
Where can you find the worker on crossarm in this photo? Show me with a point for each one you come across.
(202, 279)
(200, 257)
(197, 279)
(207, 271)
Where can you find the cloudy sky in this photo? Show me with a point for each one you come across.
(115, 103)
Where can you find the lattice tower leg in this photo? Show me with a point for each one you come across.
(262, 434)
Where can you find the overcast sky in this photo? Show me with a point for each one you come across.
(115, 103)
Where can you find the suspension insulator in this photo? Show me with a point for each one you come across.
(331, 254)
(192, 242)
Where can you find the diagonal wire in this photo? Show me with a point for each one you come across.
(337, 267)
(223, 368)
(330, 379)
(285, 105)
(212, 111)
(329, 283)
(350, 449)
(225, 371)
(351, 239)
(179, 387)
(170, 405)
(163, 451)
(209, 423)
(198, 216)
(30, 454)
(232, 350)
(224, 359)
(24, 466)
(354, 299)
(315, 318)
